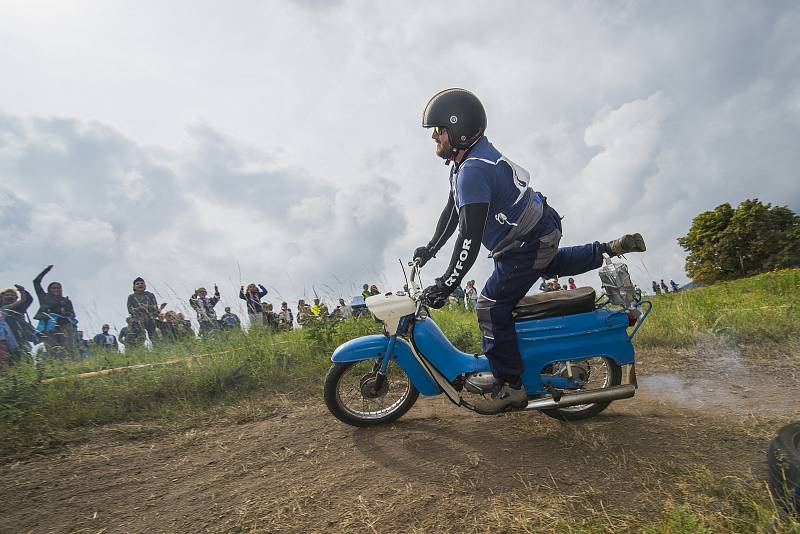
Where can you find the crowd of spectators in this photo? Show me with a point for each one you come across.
(658, 288)
(148, 322)
(663, 288)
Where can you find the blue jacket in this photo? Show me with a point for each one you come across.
(7, 335)
(487, 177)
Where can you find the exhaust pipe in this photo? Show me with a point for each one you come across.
(584, 397)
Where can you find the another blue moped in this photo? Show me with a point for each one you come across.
(577, 354)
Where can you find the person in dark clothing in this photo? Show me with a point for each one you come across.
(270, 318)
(252, 296)
(133, 335)
(458, 294)
(204, 306)
(15, 309)
(143, 307)
(105, 340)
(285, 317)
(656, 289)
(56, 316)
(184, 326)
(171, 327)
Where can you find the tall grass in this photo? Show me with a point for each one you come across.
(763, 307)
(231, 364)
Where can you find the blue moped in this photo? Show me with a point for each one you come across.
(577, 354)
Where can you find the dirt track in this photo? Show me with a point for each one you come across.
(439, 468)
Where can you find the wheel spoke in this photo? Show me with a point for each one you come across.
(351, 396)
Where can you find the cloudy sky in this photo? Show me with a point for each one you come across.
(280, 142)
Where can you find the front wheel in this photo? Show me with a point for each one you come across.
(598, 373)
(356, 396)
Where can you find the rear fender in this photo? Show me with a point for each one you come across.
(374, 346)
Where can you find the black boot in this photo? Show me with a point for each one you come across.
(623, 245)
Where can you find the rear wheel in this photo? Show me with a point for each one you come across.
(356, 395)
(597, 373)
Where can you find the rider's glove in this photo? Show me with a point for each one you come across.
(423, 254)
(435, 296)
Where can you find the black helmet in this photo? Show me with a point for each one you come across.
(460, 112)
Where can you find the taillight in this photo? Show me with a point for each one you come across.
(633, 316)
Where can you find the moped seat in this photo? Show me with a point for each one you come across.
(554, 304)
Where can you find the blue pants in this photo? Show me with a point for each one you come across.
(514, 274)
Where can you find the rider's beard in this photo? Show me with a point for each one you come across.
(443, 149)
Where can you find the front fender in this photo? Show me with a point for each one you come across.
(374, 346)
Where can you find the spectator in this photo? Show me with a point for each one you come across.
(458, 294)
(571, 283)
(471, 294)
(366, 292)
(167, 326)
(664, 287)
(8, 343)
(373, 290)
(270, 318)
(56, 316)
(315, 308)
(543, 286)
(185, 325)
(229, 320)
(204, 306)
(174, 327)
(253, 297)
(673, 285)
(323, 311)
(132, 335)
(106, 340)
(302, 314)
(15, 309)
(358, 306)
(143, 307)
(82, 344)
(344, 309)
(285, 317)
(656, 289)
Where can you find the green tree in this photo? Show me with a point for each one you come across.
(755, 237)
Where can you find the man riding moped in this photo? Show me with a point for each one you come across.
(491, 202)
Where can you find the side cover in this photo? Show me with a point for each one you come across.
(372, 347)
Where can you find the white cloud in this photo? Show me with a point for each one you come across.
(186, 142)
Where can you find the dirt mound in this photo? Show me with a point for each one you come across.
(439, 468)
